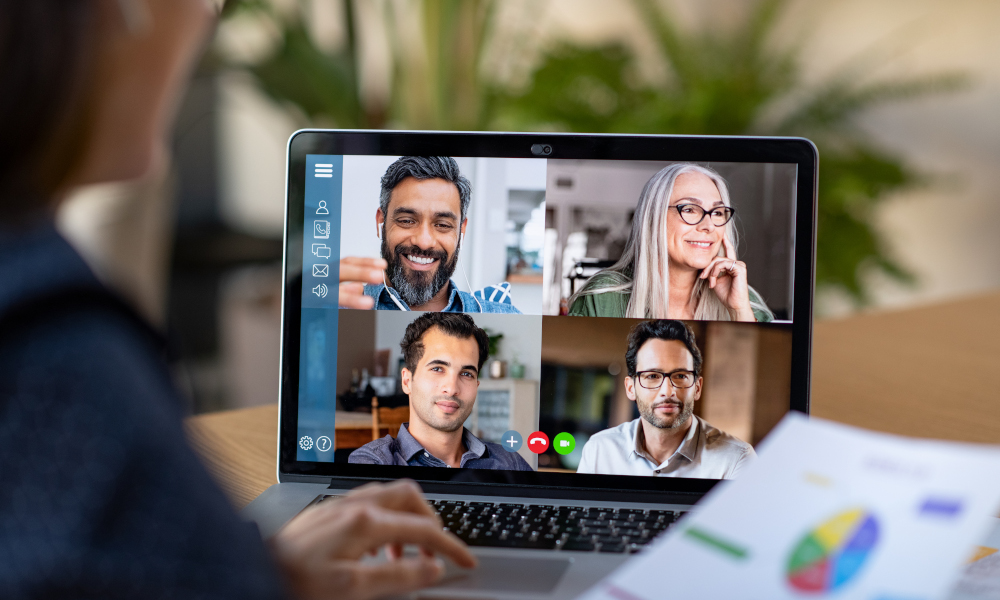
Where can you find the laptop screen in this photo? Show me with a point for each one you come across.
(548, 315)
(603, 317)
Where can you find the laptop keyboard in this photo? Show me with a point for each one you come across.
(547, 527)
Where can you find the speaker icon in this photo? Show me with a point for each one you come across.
(321, 290)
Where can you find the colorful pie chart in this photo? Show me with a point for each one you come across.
(833, 553)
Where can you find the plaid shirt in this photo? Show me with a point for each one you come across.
(492, 299)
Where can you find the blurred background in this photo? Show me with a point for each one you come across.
(900, 97)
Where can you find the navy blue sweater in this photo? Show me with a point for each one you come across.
(100, 495)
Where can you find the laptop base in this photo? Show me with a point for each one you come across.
(540, 573)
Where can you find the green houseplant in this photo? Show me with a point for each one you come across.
(741, 81)
(735, 81)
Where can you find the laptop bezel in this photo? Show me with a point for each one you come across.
(799, 151)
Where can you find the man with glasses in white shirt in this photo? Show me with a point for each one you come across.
(668, 439)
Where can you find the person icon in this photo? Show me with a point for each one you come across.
(322, 210)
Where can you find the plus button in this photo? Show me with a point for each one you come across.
(511, 440)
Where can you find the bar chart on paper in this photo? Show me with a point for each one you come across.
(828, 511)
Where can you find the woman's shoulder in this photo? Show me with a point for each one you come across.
(78, 371)
(57, 318)
(598, 300)
(606, 279)
(96, 367)
(763, 315)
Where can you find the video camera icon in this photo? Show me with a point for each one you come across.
(564, 443)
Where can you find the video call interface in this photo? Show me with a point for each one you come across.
(578, 316)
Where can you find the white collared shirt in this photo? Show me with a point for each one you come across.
(705, 453)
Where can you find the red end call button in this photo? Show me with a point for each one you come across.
(538, 442)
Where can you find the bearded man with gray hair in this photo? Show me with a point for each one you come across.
(421, 220)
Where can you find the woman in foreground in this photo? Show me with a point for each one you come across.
(100, 496)
(680, 259)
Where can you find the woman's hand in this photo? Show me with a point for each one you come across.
(354, 274)
(727, 277)
(319, 550)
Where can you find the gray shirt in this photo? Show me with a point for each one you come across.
(705, 453)
(405, 450)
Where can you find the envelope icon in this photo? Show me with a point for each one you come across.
(321, 270)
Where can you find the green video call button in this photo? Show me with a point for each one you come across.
(564, 443)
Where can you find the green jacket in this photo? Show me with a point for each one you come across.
(614, 304)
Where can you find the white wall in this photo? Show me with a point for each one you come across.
(522, 338)
(484, 235)
(362, 184)
(526, 173)
(606, 184)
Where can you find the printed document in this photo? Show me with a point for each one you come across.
(828, 510)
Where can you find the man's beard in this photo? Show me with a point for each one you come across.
(416, 288)
(680, 419)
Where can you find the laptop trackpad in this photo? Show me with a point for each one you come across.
(507, 574)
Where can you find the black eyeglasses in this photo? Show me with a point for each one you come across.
(692, 214)
(652, 380)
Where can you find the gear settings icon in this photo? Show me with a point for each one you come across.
(306, 442)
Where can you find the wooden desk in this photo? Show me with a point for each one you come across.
(240, 447)
(926, 372)
(929, 372)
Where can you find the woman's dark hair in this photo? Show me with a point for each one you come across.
(661, 329)
(47, 59)
(457, 325)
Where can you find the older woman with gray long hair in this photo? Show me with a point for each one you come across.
(680, 259)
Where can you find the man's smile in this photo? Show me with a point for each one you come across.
(419, 263)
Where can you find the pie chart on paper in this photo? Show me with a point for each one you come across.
(830, 555)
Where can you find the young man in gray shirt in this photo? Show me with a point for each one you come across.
(443, 354)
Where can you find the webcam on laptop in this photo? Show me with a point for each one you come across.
(541, 149)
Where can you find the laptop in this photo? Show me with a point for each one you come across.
(579, 432)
